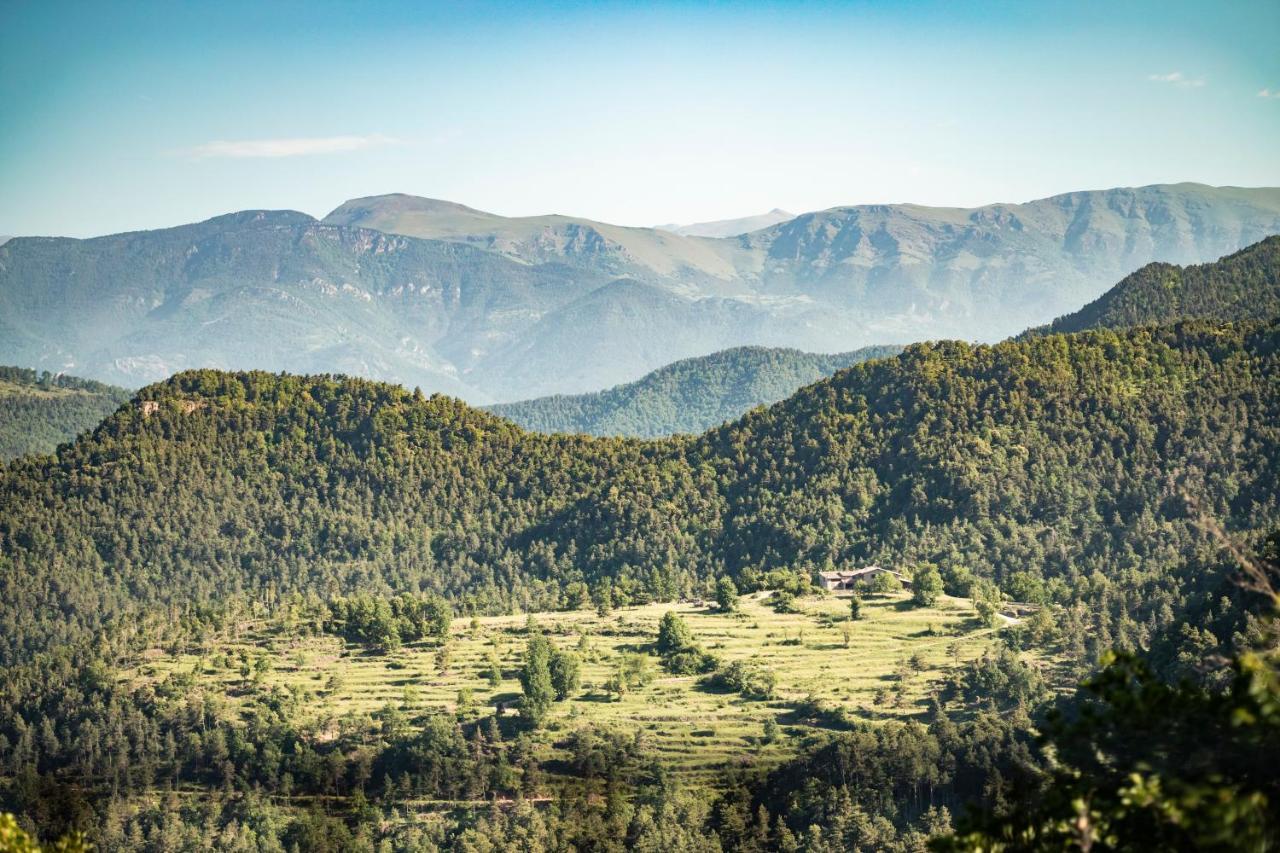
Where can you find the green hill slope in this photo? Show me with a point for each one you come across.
(1242, 286)
(40, 411)
(689, 396)
(1061, 458)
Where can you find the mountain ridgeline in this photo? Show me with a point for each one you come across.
(690, 396)
(39, 411)
(1068, 459)
(494, 309)
(1242, 286)
(730, 227)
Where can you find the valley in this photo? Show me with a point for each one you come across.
(892, 660)
(377, 474)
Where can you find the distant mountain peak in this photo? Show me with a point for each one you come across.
(399, 202)
(261, 217)
(729, 227)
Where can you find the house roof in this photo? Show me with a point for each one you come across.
(850, 573)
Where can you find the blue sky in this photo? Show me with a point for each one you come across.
(118, 116)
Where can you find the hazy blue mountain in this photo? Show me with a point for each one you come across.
(274, 290)
(729, 227)
(883, 273)
(689, 264)
(495, 309)
(1242, 286)
(689, 396)
(994, 270)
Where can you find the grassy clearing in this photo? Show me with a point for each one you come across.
(698, 732)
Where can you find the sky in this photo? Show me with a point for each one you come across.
(130, 115)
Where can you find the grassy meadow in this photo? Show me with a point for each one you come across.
(878, 667)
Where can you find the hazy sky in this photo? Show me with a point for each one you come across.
(118, 116)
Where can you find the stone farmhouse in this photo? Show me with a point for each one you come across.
(847, 580)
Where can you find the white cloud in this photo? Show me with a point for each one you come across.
(1269, 93)
(1177, 78)
(288, 147)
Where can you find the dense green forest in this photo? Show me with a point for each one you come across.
(1241, 286)
(689, 396)
(1056, 467)
(40, 410)
(1104, 479)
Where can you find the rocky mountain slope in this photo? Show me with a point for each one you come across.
(494, 309)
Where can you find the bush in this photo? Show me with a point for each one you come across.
(749, 679)
(783, 602)
(681, 655)
(883, 583)
(673, 634)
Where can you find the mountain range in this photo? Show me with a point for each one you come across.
(493, 309)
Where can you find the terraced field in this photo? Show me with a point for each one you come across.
(883, 669)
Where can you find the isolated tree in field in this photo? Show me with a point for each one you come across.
(926, 586)
(883, 583)
(673, 634)
(726, 595)
(986, 601)
(770, 730)
(493, 670)
(986, 612)
(604, 598)
(855, 606)
(680, 653)
(566, 674)
(535, 680)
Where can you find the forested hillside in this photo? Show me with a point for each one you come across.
(689, 396)
(216, 528)
(1065, 460)
(1242, 286)
(39, 411)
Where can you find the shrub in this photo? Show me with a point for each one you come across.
(751, 680)
(884, 583)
